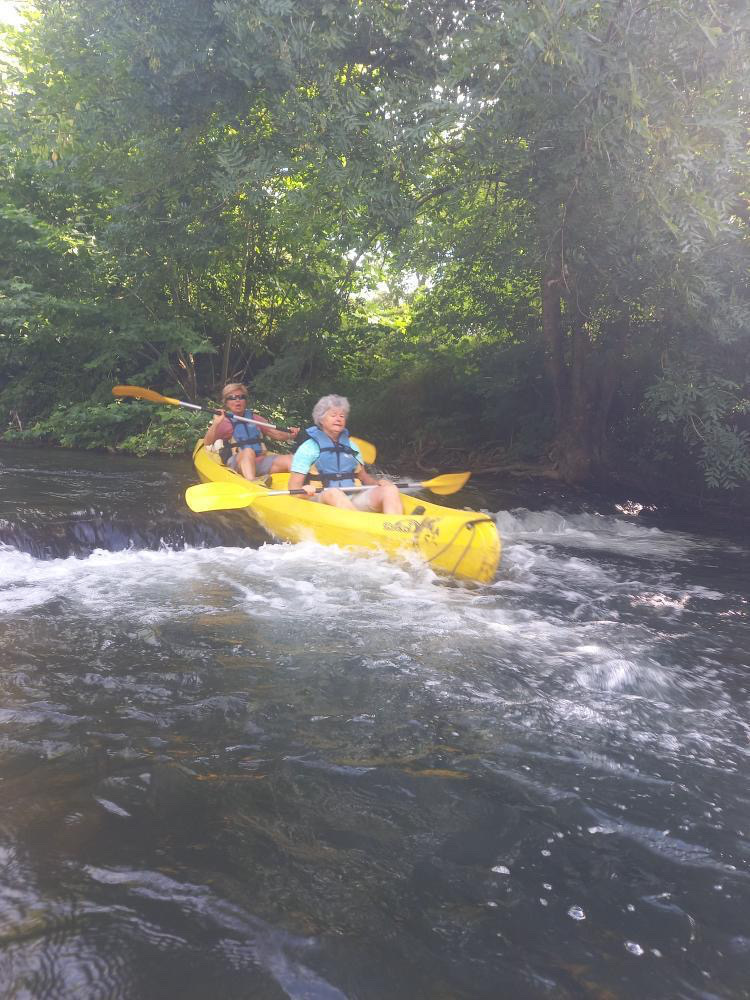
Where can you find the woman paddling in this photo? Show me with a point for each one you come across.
(339, 461)
(250, 457)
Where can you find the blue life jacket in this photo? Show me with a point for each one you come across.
(246, 435)
(337, 460)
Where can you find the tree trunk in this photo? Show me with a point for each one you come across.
(575, 449)
(187, 374)
(552, 328)
(583, 378)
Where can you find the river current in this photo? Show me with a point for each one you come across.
(239, 769)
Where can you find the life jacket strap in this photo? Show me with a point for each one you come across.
(340, 449)
(333, 477)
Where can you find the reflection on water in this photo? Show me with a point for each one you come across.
(277, 770)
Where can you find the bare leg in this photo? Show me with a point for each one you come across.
(282, 463)
(335, 498)
(391, 499)
(246, 463)
(385, 499)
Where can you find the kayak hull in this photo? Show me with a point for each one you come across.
(462, 544)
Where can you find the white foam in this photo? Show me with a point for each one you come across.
(552, 623)
(598, 532)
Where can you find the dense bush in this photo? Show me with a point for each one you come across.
(139, 429)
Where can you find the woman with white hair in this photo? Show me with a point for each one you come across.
(339, 462)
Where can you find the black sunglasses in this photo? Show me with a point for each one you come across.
(231, 399)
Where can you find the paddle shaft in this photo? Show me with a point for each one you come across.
(368, 450)
(344, 489)
(364, 446)
(138, 392)
(221, 413)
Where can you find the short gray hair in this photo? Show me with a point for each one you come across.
(327, 403)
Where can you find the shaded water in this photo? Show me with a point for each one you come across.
(239, 769)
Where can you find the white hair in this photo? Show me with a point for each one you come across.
(327, 403)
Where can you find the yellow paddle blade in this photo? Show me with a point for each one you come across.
(218, 496)
(368, 451)
(138, 392)
(449, 483)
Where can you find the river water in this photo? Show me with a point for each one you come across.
(248, 770)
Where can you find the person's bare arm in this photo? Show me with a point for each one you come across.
(211, 434)
(365, 478)
(279, 435)
(297, 482)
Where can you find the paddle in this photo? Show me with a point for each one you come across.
(230, 496)
(367, 450)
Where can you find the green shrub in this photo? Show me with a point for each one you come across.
(137, 428)
(82, 425)
(170, 432)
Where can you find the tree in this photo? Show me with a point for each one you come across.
(223, 160)
(623, 127)
(218, 178)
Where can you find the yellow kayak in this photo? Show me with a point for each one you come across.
(460, 543)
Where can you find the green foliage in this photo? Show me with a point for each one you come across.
(709, 410)
(607, 142)
(115, 426)
(169, 432)
(82, 425)
(250, 189)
